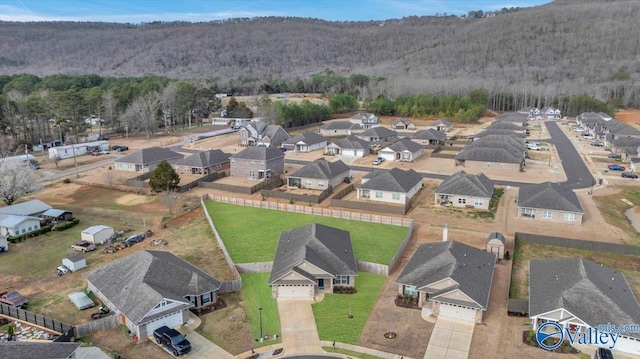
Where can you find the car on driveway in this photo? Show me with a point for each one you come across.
(119, 148)
(629, 175)
(588, 137)
(378, 161)
(614, 155)
(616, 168)
(596, 143)
(172, 340)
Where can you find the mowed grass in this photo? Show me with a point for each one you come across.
(252, 234)
(332, 313)
(612, 209)
(256, 293)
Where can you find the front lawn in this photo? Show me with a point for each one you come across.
(612, 209)
(252, 234)
(256, 293)
(332, 313)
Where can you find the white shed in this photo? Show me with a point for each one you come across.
(97, 234)
(496, 243)
(74, 262)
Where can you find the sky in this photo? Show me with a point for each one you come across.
(137, 11)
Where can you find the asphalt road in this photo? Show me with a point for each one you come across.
(578, 174)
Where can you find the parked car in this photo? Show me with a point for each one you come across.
(596, 143)
(95, 153)
(104, 152)
(629, 175)
(588, 137)
(616, 168)
(579, 129)
(61, 270)
(102, 138)
(614, 155)
(14, 299)
(119, 148)
(133, 239)
(534, 146)
(378, 161)
(603, 353)
(84, 246)
(172, 340)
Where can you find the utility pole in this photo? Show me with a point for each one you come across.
(75, 161)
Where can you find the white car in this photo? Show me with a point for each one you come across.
(579, 129)
(378, 161)
(588, 137)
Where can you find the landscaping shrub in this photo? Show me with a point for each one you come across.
(344, 290)
(66, 180)
(20, 238)
(66, 225)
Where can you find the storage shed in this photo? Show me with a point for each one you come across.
(81, 300)
(74, 262)
(496, 243)
(97, 234)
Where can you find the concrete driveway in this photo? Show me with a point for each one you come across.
(299, 333)
(450, 339)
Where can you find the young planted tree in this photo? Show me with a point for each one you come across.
(164, 178)
(16, 180)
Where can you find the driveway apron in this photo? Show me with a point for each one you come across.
(299, 333)
(450, 339)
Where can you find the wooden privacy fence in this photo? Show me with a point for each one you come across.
(101, 324)
(266, 193)
(37, 319)
(577, 244)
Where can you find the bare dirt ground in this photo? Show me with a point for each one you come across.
(228, 327)
(117, 340)
(630, 116)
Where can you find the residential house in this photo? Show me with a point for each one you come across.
(258, 133)
(257, 163)
(79, 149)
(13, 225)
(350, 146)
(551, 202)
(496, 244)
(626, 147)
(500, 125)
(593, 122)
(634, 164)
(490, 132)
(33, 207)
(449, 279)
(147, 159)
(403, 124)
(393, 186)
(364, 120)
(513, 117)
(551, 113)
(57, 215)
(305, 142)
(340, 128)
(487, 157)
(430, 137)
(203, 163)
(579, 295)
(403, 150)
(533, 113)
(150, 289)
(378, 134)
(312, 259)
(319, 175)
(440, 125)
(465, 190)
(40, 350)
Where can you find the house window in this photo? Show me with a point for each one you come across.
(29, 229)
(365, 193)
(206, 298)
(341, 279)
(320, 183)
(378, 194)
(410, 290)
(462, 201)
(307, 183)
(233, 160)
(528, 212)
(396, 196)
(23, 230)
(478, 202)
(546, 214)
(569, 217)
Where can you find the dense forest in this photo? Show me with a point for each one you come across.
(536, 56)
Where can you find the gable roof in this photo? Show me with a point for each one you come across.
(488, 154)
(259, 153)
(96, 229)
(40, 350)
(404, 121)
(551, 196)
(378, 132)
(352, 143)
(503, 132)
(513, 117)
(26, 208)
(593, 293)
(364, 117)
(470, 267)
(440, 121)
(55, 212)
(13, 220)
(327, 248)
(466, 184)
(626, 142)
(498, 125)
(394, 180)
(498, 236)
(430, 134)
(137, 283)
(509, 141)
(308, 138)
(204, 159)
(321, 169)
(341, 125)
(150, 155)
(404, 144)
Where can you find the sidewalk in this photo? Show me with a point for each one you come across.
(358, 349)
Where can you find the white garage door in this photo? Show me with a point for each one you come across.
(294, 291)
(170, 321)
(451, 311)
(389, 156)
(348, 153)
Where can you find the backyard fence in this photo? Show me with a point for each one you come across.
(36, 319)
(297, 197)
(577, 244)
(519, 307)
(206, 179)
(139, 181)
(374, 268)
(98, 325)
(231, 286)
(370, 206)
(257, 267)
(269, 183)
(395, 260)
(345, 191)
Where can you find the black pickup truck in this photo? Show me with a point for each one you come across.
(171, 339)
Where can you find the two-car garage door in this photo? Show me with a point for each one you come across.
(295, 291)
(460, 313)
(170, 321)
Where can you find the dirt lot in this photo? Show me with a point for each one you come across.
(629, 116)
(228, 327)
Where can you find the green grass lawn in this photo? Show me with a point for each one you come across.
(349, 353)
(251, 234)
(332, 312)
(257, 294)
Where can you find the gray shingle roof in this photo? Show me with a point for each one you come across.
(488, 154)
(204, 159)
(470, 267)
(404, 144)
(498, 236)
(352, 143)
(30, 350)
(551, 196)
(364, 117)
(404, 121)
(328, 248)
(626, 142)
(309, 138)
(593, 293)
(136, 283)
(492, 131)
(430, 134)
(321, 169)
(506, 126)
(499, 140)
(26, 208)
(150, 155)
(259, 153)
(512, 117)
(440, 121)
(465, 184)
(341, 125)
(394, 180)
(378, 132)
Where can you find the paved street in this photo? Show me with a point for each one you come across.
(578, 174)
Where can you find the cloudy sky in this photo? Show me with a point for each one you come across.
(136, 11)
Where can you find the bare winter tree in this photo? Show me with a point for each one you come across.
(111, 178)
(142, 113)
(169, 200)
(7, 146)
(16, 179)
(110, 108)
(168, 104)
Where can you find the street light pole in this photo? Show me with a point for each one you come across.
(261, 336)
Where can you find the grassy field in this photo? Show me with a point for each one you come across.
(251, 234)
(332, 312)
(257, 294)
(612, 209)
(349, 353)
